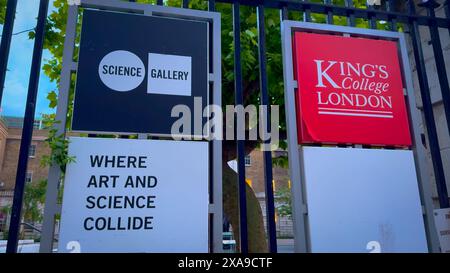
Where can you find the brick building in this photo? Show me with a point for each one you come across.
(254, 174)
(10, 136)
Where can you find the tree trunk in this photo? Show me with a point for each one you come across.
(257, 242)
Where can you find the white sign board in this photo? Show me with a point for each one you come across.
(363, 200)
(169, 74)
(442, 221)
(126, 195)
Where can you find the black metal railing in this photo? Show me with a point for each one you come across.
(393, 12)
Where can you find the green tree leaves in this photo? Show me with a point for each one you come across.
(284, 208)
(2, 11)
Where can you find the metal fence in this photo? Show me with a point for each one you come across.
(393, 13)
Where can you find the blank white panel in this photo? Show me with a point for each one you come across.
(356, 196)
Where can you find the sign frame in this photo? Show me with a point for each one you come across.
(373, 181)
(296, 172)
(358, 97)
(96, 216)
(205, 84)
(69, 67)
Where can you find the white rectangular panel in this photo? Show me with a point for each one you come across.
(107, 209)
(363, 200)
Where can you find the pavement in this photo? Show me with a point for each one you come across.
(285, 245)
(25, 246)
(28, 246)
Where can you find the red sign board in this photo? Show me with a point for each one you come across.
(350, 91)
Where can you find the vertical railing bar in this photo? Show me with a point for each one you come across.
(390, 6)
(428, 110)
(307, 14)
(350, 17)
(268, 176)
(211, 5)
(185, 4)
(159, 2)
(372, 21)
(6, 42)
(27, 131)
(284, 14)
(240, 143)
(329, 18)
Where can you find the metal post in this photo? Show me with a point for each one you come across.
(299, 217)
(217, 143)
(428, 111)
(239, 100)
(54, 173)
(185, 4)
(268, 177)
(6, 42)
(27, 130)
(159, 2)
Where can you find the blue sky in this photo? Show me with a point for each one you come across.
(19, 64)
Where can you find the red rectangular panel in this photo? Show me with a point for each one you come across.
(350, 91)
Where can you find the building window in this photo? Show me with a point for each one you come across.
(32, 152)
(29, 177)
(248, 160)
(37, 124)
